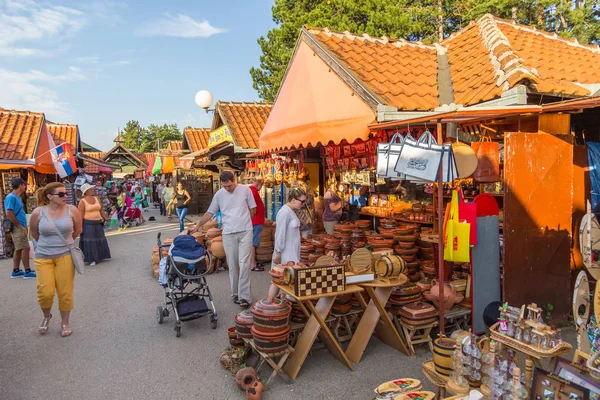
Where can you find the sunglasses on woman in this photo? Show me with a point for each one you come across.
(59, 194)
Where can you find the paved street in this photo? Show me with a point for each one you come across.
(118, 351)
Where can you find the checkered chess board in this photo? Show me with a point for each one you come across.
(319, 280)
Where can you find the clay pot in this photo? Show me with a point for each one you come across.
(255, 391)
(424, 284)
(450, 296)
(199, 237)
(216, 247)
(342, 308)
(213, 233)
(245, 378)
(271, 315)
(210, 224)
(243, 323)
(232, 333)
(274, 343)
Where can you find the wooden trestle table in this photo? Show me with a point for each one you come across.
(376, 319)
(316, 326)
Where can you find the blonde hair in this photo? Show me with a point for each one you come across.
(42, 193)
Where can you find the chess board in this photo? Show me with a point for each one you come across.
(319, 280)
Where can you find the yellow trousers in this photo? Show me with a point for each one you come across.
(55, 275)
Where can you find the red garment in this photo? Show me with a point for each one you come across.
(259, 217)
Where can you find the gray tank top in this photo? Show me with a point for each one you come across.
(50, 245)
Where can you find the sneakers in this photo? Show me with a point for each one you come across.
(18, 274)
(30, 275)
(92, 264)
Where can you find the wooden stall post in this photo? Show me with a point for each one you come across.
(440, 255)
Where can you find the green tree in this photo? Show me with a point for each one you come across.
(424, 20)
(133, 135)
(155, 134)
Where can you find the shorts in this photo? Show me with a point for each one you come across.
(256, 231)
(20, 237)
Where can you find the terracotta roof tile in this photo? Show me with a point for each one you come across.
(245, 120)
(64, 133)
(196, 139)
(175, 144)
(19, 133)
(91, 168)
(387, 67)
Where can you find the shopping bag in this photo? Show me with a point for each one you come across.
(387, 155)
(467, 212)
(488, 161)
(456, 237)
(420, 158)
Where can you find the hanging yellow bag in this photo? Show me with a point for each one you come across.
(456, 237)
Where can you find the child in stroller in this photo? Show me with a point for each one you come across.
(185, 267)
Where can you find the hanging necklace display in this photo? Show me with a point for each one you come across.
(589, 242)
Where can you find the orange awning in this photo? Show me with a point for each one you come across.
(314, 106)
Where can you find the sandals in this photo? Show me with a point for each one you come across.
(258, 267)
(244, 304)
(236, 300)
(66, 331)
(44, 326)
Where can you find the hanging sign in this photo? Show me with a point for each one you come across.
(220, 135)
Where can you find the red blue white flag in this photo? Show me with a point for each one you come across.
(64, 160)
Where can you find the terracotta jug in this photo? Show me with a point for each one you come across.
(216, 247)
(254, 392)
(450, 296)
(245, 378)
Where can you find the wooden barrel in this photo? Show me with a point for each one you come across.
(443, 350)
(390, 266)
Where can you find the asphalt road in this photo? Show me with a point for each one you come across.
(118, 351)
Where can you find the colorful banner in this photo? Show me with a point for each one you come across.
(220, 135)
(63, 159)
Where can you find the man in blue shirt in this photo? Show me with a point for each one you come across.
(15, 212)
(358, 199)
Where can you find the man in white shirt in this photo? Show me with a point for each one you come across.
(237, 207)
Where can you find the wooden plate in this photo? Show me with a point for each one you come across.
(581, 299)
(361, 261)
(324, 260)
(589, 240)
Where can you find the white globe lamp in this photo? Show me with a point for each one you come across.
(204, 99)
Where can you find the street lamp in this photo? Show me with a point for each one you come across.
(204, 99)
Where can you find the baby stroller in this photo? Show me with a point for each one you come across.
(186, 288)
(133, 216)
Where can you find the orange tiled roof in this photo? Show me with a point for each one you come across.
(403, 74)
(245, 120)
(19, 133)
(95, 154)
(174, 144)
(91, 168)
(196, 138)
(64, 133)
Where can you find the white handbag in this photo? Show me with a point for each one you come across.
(387, 156)
(420, 160)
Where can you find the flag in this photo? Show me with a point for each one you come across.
(63, 159)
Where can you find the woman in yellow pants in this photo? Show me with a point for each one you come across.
(52, 255)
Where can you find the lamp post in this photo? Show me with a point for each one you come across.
(204, 99)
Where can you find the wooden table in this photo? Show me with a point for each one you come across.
(316, 326)
(376, 319)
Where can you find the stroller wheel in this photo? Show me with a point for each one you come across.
(165, 312)
(160, 314)
(213, 322)
(177, 329)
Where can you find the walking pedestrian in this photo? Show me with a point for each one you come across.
(15, 212)
(287, 234)
(55, 225)
(258, 221)
(168, 195)
(182, 197)
(147, 196)
(114, 217)
(305, 213)
(237, 206)
(121, 207)
(92, 242)
(139, 197)
(159, 197)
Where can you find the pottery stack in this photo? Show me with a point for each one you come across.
(297, 314)
(243, 324)
(406, 236)
(271, 328)
(215, 237)
(264, 252)
(318, 215)
(342, 304)
(156, 256)
(404, 295)
(418, 313)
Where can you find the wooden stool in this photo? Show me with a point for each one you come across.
(270, 359)
(416, 334)
(457, 318)
(347, 322)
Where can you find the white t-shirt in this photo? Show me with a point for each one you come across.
(235, 208)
